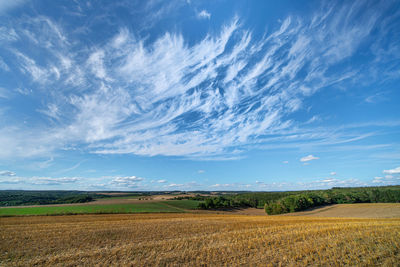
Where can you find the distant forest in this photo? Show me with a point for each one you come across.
(45, 197)
(292, 201)
(20, 197)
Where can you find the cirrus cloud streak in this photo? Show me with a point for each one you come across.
(167, 96)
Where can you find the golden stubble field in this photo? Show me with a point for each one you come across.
(197, 239)
(360, 210)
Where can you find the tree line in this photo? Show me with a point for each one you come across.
(292, 201)
(20, 197)
(309, 200)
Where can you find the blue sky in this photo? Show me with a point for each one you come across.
(199, 95)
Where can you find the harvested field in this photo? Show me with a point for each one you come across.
(361, 210)
(197, 239)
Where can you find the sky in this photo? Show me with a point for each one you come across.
(199, 95)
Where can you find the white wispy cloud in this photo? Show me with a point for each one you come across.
(324, 183)
(231, 186)
(204, 14)
(12, 181)
(378, 97)
(52, 111)
(308, 158)
(39, 181)
(193, 185)
(169, 96)
(14, 142)
(386, 180)
(175, 185)
(7, 34)
(96, 64)
(70, 168)
(314, 118)
(54, 181)
(127, 181)
(392, 171)
(38, 73)
(43, 164)
(4, 93)
(7, 173)
(162, 181)
(3, 65)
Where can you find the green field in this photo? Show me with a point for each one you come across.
(183, 204)
(165, 206)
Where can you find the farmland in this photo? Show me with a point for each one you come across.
(361, 210)
(104, 206)
(197, 239)
(87, 209)
(166, 230)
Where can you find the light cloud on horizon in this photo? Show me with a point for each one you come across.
(7, 173)
(393, 171)
(308, 158)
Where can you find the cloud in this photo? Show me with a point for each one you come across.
(70, 168)
(54, 181)
(308, 158)
(386, 180)
(52, 111)
(285, 162)
(233, 186)
(167, 95)
(7, 35)
(175, 185)
(201, 171)
(162, 181)
(44, 164)
(12, 181)
(333, 173)
(328, 180)
(127, 181)
(29, 66)
(314, 118)
(332, 182)
(204, 14)
(96, 64)
(4, 93)
(378, 97)
(185, 186)
(7, 173)
(324, 183)
(393, 171)
(3, 65)
(39, 181)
